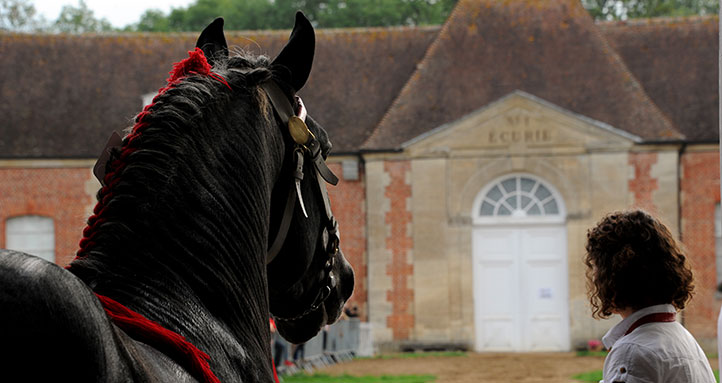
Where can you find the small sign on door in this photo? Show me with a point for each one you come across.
(545, 293)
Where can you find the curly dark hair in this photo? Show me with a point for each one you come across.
(634, 262)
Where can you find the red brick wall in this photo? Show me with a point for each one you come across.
(643, 185)
(700, 191)
(349, 207)
(400, 243)
(55, 193)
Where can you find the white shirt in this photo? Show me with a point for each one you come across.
(659, 352)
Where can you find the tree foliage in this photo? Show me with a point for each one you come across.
(278, 14)
(80, 19)
(152, 20)
(18, 15)
(21, 15)
(630, 9)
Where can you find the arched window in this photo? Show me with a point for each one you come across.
(519, 196)
(31, 234)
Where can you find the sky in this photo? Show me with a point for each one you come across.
(119, 13)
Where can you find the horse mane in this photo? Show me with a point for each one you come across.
(192, 91)
(177, 105)
(176, 158)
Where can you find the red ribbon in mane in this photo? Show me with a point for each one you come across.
(196, 63)
(168, 342)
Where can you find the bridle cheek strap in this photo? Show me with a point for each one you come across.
(331, 238)
(283, 228)
(306, 143)
(287, 212)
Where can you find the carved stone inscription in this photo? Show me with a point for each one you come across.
(527, 136)
(518, 127)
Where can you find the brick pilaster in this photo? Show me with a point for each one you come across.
(643, 184)
(399, 243)
(700, 191)
(348, 200)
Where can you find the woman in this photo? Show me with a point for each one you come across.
(636, 269)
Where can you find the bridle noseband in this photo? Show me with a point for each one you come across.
(306, 144)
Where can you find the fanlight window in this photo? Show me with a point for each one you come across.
(31, 234)
(519, 196)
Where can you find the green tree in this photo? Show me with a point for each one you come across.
(152, 20)
(80, 19)
(19, 16)
(369, 13)
(623, 9)
(278, 14)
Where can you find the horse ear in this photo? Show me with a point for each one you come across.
(294, 62)
(212, 42)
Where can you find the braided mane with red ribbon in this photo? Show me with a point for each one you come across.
(196, 63)
(134, 324)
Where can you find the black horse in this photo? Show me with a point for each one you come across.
(213, 213)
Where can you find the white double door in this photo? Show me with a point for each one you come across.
(521, 297)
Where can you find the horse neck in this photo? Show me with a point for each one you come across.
(185, 231)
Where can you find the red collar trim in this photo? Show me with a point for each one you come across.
(166, 341)
(651, 318)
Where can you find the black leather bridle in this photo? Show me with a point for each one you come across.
(306, 145)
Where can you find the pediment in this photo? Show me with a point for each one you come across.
(520, 123)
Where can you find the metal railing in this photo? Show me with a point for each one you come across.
(335, 343)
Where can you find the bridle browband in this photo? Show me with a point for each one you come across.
(305, 144)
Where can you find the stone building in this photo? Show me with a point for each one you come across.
(473, 157)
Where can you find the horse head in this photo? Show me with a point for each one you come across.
(309, 279)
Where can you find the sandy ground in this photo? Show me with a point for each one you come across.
(478, 368)
(481, 368)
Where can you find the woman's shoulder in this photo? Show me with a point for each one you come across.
(662, 351)
(629, 361)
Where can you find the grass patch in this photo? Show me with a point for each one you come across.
(592, 353)
(596, 376)
(591, 376)
(345, 378)
(407, 355)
